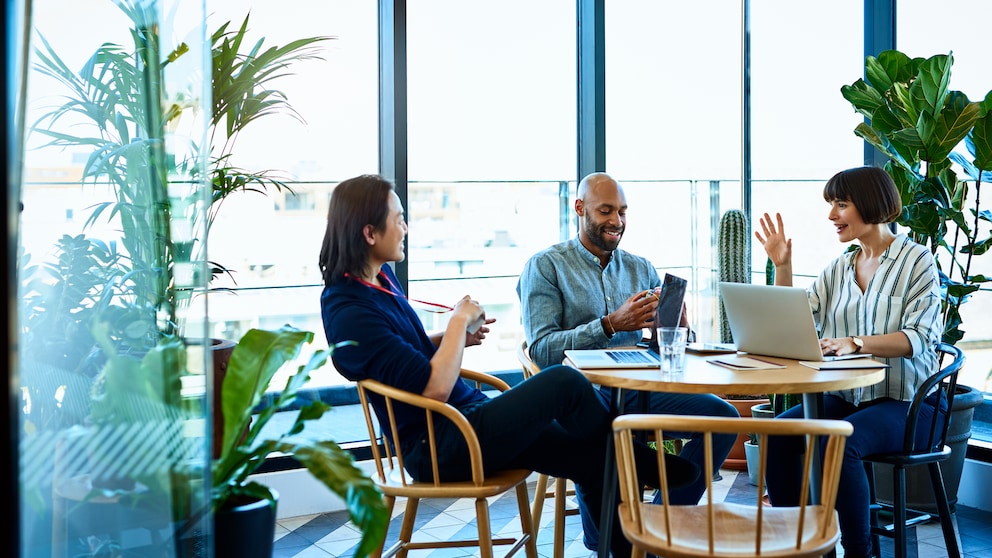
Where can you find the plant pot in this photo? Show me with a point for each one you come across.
(220, 354)
(246, 528)
(919, 495)
(751, 451)
(751, 448)
(737, 459)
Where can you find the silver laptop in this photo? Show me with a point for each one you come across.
(773, 321)
(613, 358)
(669, 312)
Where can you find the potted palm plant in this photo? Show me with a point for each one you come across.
(914, 117)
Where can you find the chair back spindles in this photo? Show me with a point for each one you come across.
(393, 480)
(726, 529)
(942, 385)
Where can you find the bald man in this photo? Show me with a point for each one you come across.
(587, 293)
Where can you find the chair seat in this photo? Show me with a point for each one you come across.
(737, 525)
(494, 484)
(911, 459)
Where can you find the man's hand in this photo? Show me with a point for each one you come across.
(636, 313)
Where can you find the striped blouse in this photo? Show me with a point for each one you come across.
(904, 295)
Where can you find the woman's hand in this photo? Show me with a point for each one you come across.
(777, 246)
(472, 339)
(470, 309)
(838, 346)
(473, 312)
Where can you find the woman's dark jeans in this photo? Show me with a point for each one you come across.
(878, 428)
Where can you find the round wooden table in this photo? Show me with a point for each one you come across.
(701, 376)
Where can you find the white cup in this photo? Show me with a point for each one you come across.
(671, 349)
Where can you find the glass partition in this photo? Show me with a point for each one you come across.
(111, 434)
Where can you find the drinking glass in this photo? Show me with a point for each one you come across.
(671, 349)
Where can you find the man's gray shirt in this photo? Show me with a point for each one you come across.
(564, 292)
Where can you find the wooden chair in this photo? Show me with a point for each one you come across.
(943, 384)
(728, 529)
(563, 488)
(392, 480)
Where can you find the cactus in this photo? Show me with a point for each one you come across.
(734, 259)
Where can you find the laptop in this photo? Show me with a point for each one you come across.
(773, 321)
(669, 312)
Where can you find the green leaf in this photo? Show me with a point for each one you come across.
(865, 98)
(978, 248)
(335, 468)
(886, 121)
(941, 134)
(980, 139)
(929, 89)
(258, 356)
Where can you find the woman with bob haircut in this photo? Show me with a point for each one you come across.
(552, 423)
(881, 297)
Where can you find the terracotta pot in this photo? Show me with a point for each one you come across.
(220, 355)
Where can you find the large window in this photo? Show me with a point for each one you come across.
(492, 130)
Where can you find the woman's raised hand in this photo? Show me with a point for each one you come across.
(777, 246)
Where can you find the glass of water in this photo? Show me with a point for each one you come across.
(671, 349)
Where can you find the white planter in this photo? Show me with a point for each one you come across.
(751, 454)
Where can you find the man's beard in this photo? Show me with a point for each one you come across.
(597, 236)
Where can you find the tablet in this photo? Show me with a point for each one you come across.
(711, 348)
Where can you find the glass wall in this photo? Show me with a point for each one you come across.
(112, 440)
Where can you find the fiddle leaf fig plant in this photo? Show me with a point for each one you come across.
(914, 117)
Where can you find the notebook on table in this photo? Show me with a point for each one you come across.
(669, 312)
(774, 321)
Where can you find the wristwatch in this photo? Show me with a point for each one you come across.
(859, 344)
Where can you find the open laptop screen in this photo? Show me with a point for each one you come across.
(669, 312)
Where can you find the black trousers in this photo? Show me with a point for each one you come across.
(552, 423)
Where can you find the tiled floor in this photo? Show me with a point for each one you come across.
(331, 535)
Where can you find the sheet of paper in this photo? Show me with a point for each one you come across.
(744, 363)
(843, 364)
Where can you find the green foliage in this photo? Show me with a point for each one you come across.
(242, 76)
(256, 359)
(116, 107)
(914, 118)
(733, 259)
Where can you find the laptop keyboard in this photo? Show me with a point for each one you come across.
(637, 357)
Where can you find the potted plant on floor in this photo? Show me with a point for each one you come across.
(247, 443)
(778, 404)
(737, 458)
(918, 121)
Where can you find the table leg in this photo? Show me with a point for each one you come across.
(609, 484)
(813, 409)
